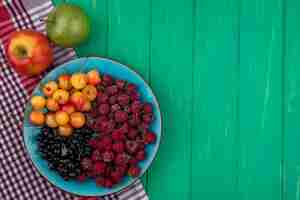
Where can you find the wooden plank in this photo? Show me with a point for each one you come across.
(97, 12)
(215, 129)
(292, 102)
(171, 79)
(129, 36)
(260, 107)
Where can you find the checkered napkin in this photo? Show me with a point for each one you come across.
(19, 180)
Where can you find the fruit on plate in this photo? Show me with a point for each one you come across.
(52, 105)
(78, 99)
(62, 118)
(29, 52)
(64, 82)
(61, 96)
(77, 119)
(38, 102)
(68, 108)
(93, 77)
(65, 130)
(87, 106)
(78, 80)
(49, 88)
(50, 120)
(37, 118)
(90, 92)
(68, 25)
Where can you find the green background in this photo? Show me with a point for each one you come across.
(226, 75)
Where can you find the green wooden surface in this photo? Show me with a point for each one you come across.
(226, 75)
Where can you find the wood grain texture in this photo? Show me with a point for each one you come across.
(215, 74)
(171, 72)
(260, 166)
(129, 36)
(292, 101)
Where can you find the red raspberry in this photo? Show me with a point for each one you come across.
(108, 171)
(149, 137)
(135, 119)
(123, 99)
(96, 156)
(102, 118)
(143, 127)
(109, 126)
(105, 143)
(107, 156)
(111, 90)
(93, 142)
(134, 171)
(121, 159)
(112, 100)
(103, 108)
(102, 98)
(99, 168)
(132, 133)
(107, 80)
(136, 106)
(115, 107)
(133, 161)
(147, 118)
(147, 108)
(118, 147)
(121, 116)
(117, 135)
(122, 169)
(120, 84)
(135, 96)
(116, 176)
(140, 155)
(131, 87)
(108, 183)
(127, 109)
(124, 128)
(100, 181)
(131, 146)
(86, 163)
(81, 178)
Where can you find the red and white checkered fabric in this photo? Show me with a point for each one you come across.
(19, 180)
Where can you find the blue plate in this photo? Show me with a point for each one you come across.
(105, 66)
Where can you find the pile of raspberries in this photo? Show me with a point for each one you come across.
(121, 122)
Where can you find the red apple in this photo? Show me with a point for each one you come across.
(29, 52)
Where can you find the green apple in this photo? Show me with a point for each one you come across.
(68, 25)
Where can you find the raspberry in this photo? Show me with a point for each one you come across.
(121, 159)
(118, 147)
(132, 133)
(124, 128)
(102, 98)
(105, 143)
(131, 146)
(111, 116)
(110, 126)
(134, 171)
(117, 135)
(123, 99)
(122, 169)
(120, 84)
(111, 90)
(93, 142)
(116, 176)
(121, 116)
(134, 96)
(112, 100)
(108, 183)
(147, 108)
(107, 80)
(149, 137)
(140, 155)
(99, 168)
(100, 181)
(143, 127)
(81, 178)
(133, 161)
(108, 156)
(96, 156)
(131, 87)
(86, 163)
(115, 107)
(103, 108)
(147, 118)
(136, 106)
(108, 171)
(102, 118)
(127, 109)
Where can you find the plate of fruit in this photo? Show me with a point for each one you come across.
(92, 126)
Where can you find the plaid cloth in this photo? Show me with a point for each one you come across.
(19, 180)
